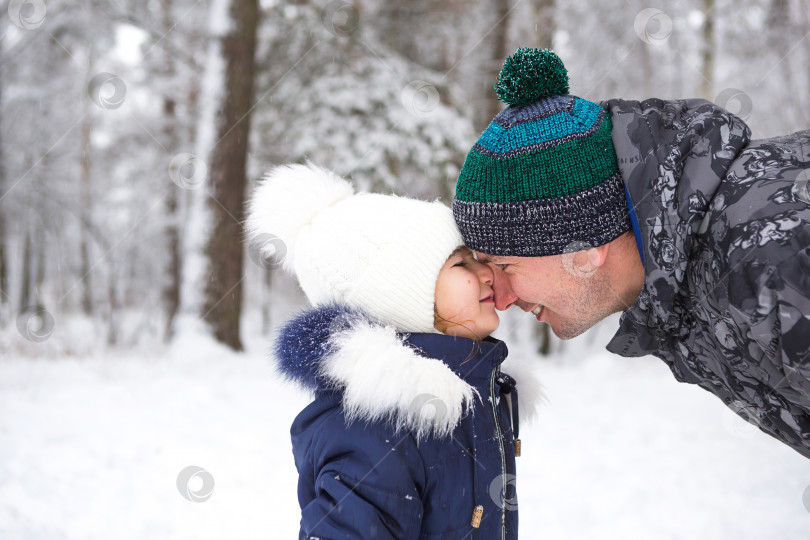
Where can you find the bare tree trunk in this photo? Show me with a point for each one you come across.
(499, 52)
(171, 289)
(25, 282)
(224, 251)
(86, 214)
(399, 20)
(806, 108)
(545, 25)
(112, 299)
(647, 75)
(786, 31)
(33, 272)
(266, 301)
(708, 51)
(5, 296)
(39, 278)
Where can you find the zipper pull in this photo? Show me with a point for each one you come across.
(476, 517)
(517, 447)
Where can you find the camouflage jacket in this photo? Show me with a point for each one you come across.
(725, 227)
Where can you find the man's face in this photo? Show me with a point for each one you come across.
(568, 292)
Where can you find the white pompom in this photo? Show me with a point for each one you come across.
(286, 201)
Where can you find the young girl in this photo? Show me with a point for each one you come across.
(413, 429)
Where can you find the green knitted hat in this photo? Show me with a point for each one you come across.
(543, 176)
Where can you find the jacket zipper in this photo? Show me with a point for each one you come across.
(498, 432)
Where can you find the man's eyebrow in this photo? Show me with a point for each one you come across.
(486, 259)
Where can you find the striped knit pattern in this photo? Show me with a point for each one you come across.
(541, 177)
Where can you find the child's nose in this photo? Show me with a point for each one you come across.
(485, 274)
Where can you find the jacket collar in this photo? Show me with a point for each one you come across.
(384, 375)
(469, 359)
(672, 156)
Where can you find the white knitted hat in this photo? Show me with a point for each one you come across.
(379, 253)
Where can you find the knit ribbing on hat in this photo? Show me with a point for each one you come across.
(539, 228)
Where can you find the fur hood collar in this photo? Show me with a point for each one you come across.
(386, 376)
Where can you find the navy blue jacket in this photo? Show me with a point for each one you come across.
(407, 434)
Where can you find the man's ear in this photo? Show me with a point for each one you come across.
(584, 263)
(597, 256)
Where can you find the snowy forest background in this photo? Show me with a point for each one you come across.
(134, 320)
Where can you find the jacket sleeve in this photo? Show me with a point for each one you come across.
(366, 486)
(771, 303)
(793, 309)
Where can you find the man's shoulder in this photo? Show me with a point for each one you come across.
(760, 212)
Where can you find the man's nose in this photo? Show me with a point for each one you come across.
(504, 296)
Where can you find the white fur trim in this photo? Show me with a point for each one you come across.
(530, 390)
(385, 380)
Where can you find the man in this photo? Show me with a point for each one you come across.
(665, 210)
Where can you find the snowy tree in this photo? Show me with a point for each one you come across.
(341, 98)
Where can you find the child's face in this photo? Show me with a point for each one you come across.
(464, 296)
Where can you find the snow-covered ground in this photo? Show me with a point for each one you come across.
(92, 447)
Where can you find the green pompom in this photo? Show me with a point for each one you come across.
(531, 74)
